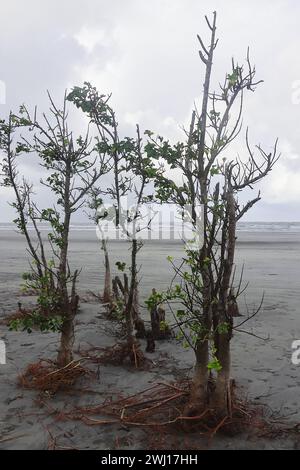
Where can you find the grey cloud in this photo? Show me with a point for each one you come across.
(149, 60)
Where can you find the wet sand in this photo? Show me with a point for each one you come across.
(262, 368)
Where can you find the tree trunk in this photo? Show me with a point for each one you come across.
(224, 322)
(221, 399)
(199, 391)
(155, 323)
(115, 289)
(107, 295)
(67, 337)
(129, 326)
(139, 324)
(233, 308)
(125, 288)
(135, 303)
(65, 353)
(158, 317)
(130, 301)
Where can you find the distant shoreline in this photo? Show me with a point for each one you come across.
(251, 227)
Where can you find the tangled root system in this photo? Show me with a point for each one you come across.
(45, 376)
(118, 354)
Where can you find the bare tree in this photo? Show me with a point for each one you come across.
(205, 276)
(131, 171)
(73, 166)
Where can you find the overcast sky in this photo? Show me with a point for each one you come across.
(146, 54)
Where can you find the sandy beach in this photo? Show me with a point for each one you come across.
(262, 368)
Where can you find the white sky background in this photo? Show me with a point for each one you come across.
(146, 54)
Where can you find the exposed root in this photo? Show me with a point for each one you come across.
(45, 376)
(160, 409)
(20, 314)
(159, 405)
(118, 354)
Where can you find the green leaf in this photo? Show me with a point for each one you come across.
(121, 266)
(214, 364)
